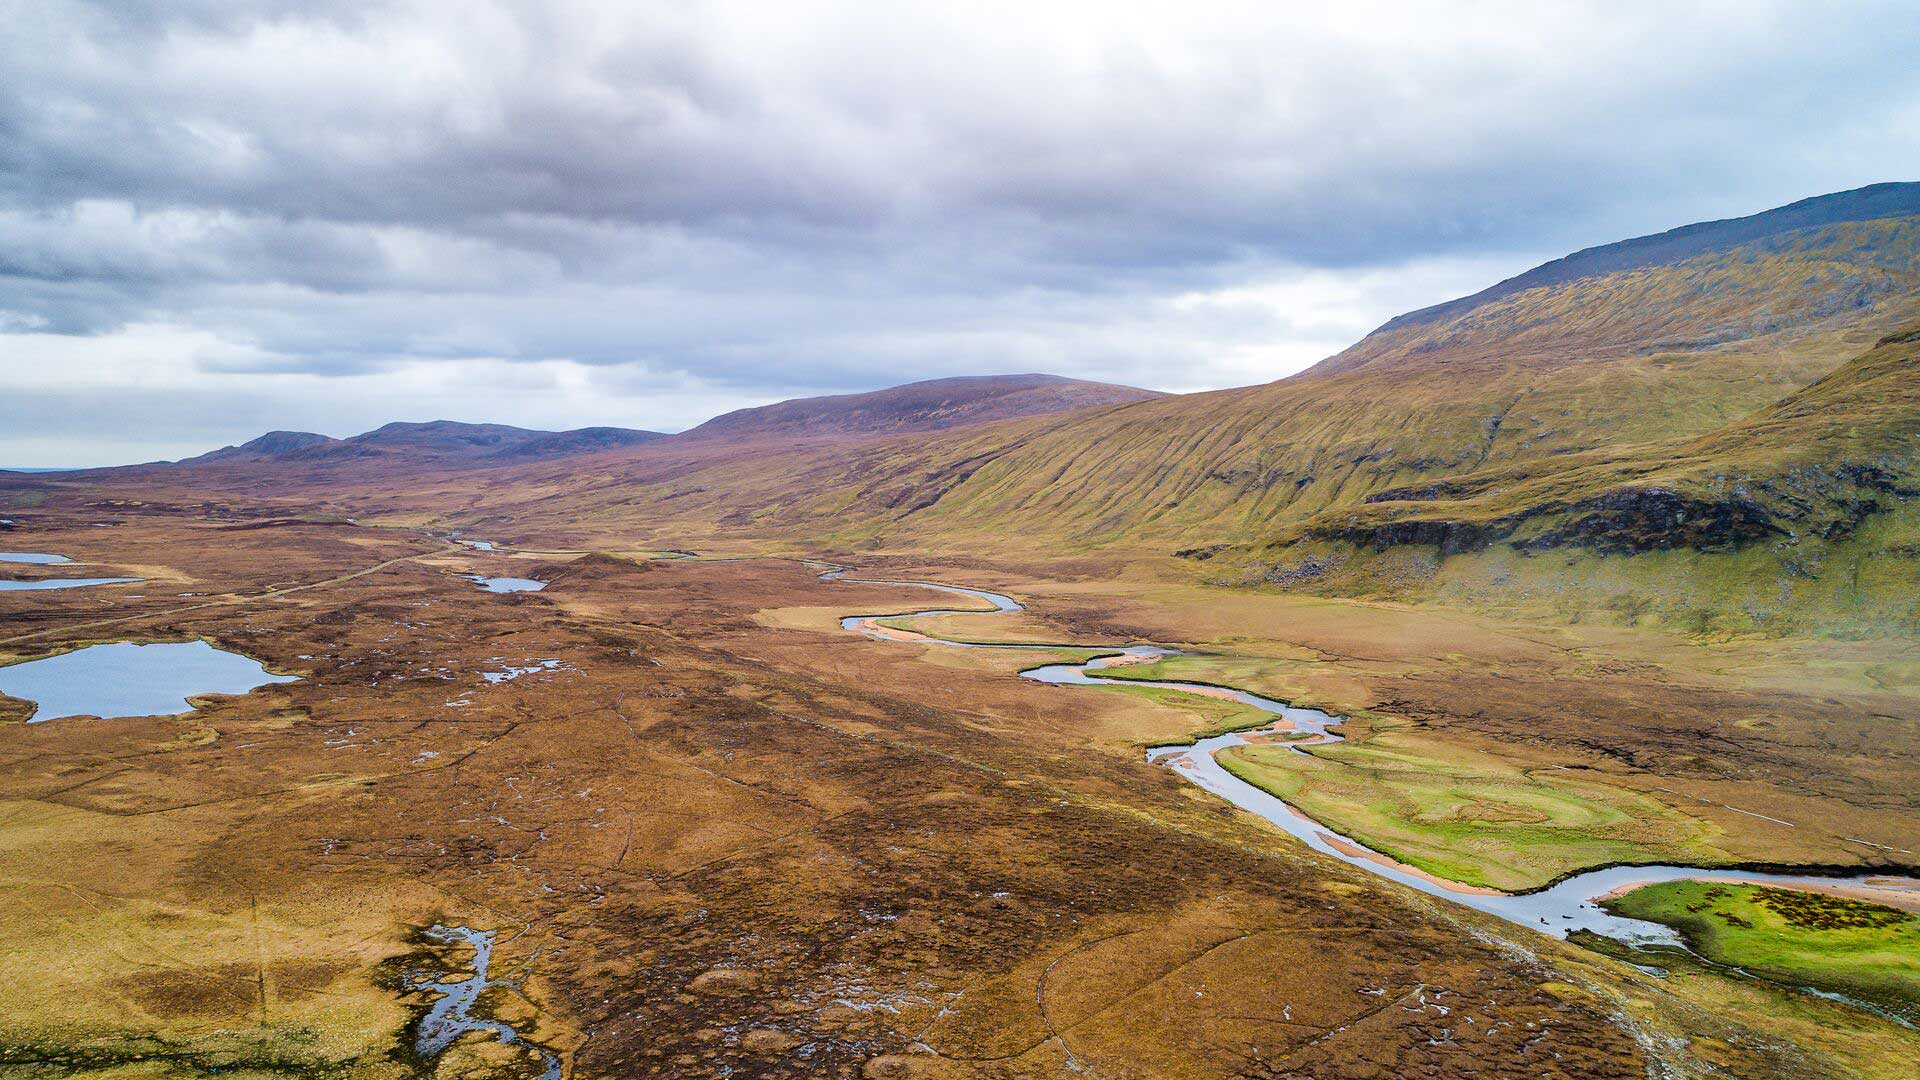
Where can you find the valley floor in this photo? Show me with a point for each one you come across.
(716, 835)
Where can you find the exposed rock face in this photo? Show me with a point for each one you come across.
(1628, 521)
(1830, 504)
(1634, 520)
(1451, 537)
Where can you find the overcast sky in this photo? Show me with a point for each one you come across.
(218, 218)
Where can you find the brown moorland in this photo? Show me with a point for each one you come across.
(708, 843)
(716, 835)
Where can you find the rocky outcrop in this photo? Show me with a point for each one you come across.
(1450, 536)
(1634, 520)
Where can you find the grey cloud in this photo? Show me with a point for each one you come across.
(1347, 153)
(764, 198)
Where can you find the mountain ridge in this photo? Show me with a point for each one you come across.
(272, 444)
(433, 440)
(1430, 443)
(929, 405)
(1700, 238)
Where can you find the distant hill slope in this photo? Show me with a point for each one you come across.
(1735, 400)
(439, 442)
(934, 405)
(272, 444)
(437, 439)
(587, 440)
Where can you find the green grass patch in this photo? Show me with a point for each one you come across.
(1212, 715)
(1842, 945)
(982, 633)
(1471, 817)
(1258, 675)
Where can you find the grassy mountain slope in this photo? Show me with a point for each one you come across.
(1679, 245)
(933, 405)
(1557, 370)
(1560, 374)
(1803, 517)
(1815, 464)
(1710, 402)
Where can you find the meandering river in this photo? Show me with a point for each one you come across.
(1566, 906)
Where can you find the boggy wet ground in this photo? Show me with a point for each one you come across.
(707, 846)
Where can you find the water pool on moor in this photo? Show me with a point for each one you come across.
(43, 558)
(507, 584)
(64, 583)
(452, 1015)
(128, 679)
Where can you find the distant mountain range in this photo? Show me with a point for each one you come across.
(439, 441)
(1742, 388)
(1747, 390)
(934, 405)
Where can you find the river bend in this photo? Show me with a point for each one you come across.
(1560, 909)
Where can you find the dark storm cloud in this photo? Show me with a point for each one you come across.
(815, 197)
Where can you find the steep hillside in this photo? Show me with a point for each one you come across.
(1732, 399)
(1793, 280)
(1676, 245)
(933, 405)
(1815, 465)
(1565, 372)
(1639, 356)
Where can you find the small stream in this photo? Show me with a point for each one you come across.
(1559, 910)
(451, 1014)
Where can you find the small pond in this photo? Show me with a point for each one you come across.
(126, 679)
(64, 583)
(42, 558)
(507, 584)
(38, 557)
